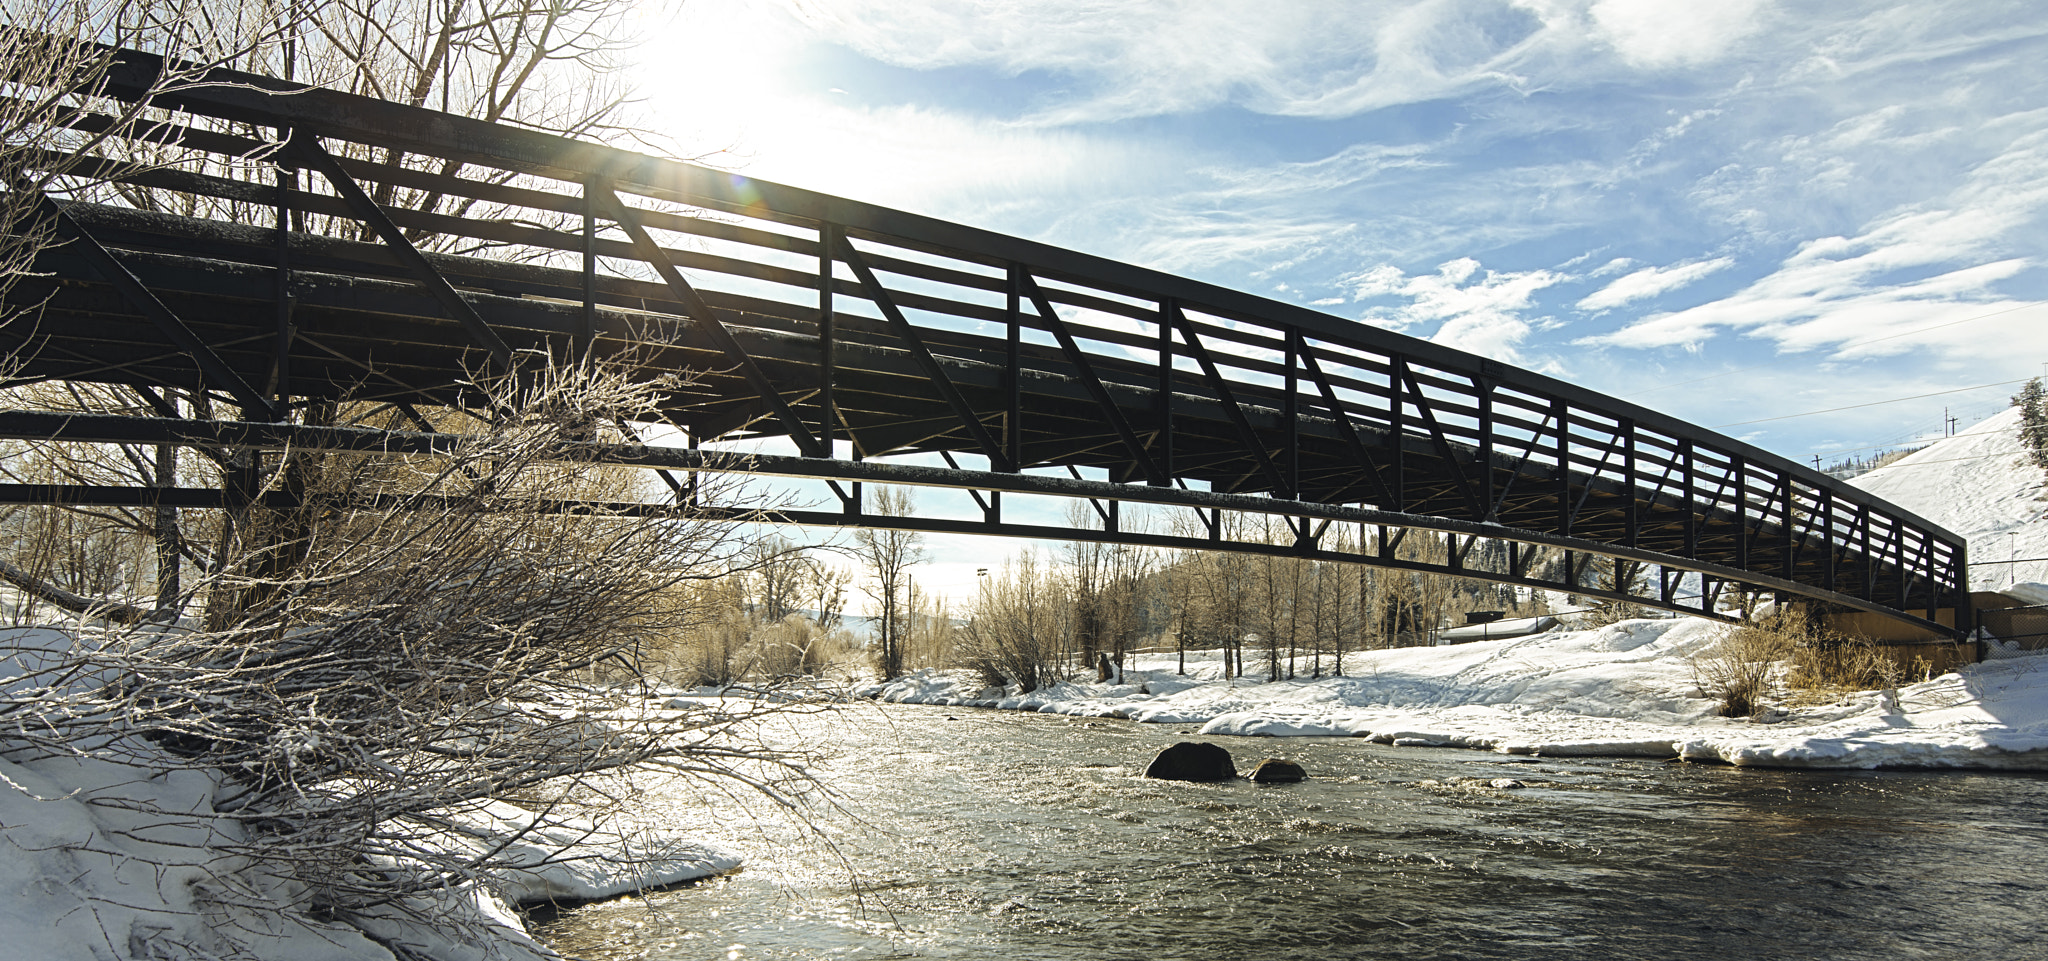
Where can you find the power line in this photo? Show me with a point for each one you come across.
(1858, 343)
(1875, 403)
(1917, 438)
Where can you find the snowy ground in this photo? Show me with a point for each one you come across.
(1629, 689)
(101, 860)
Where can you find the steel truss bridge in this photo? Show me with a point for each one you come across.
(856, 333)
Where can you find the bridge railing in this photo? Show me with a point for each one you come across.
(824, 312)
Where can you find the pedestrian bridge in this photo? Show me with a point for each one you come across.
(303, 245)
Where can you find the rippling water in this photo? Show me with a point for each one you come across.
(985, 834)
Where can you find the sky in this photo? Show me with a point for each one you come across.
(1817, 227)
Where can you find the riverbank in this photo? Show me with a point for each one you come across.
(133, 859)
(1625, 690)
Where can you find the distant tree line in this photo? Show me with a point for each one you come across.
(1086, 608)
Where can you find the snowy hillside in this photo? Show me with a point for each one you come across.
(1980, 485)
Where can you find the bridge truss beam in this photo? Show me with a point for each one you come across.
(1379, 531)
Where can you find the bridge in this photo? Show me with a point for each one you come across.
(855, 335)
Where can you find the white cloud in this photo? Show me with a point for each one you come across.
(1914, 267)
(1311, 58)
(1658, 33)
(1476, 310)
(1651, 281)
(1615, 266)
(751, 99)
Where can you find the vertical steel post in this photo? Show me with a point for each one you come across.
(1692, 506)
(287, 181)
(1742, 530)
(1484, 388)
(1785, 518)
(1165, 391)
(1397, 366)
(1863, 551)
(828, 341)
(1291, 415)
(1633, 516)
(1899, 567)
(586, 330)
(1562, 414)
(1013, 377)
(1826, 506)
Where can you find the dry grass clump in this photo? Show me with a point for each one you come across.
(1816, 664)
(1742, 669)
(1837, 663)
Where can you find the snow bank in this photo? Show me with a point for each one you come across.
(1629, 689)
(556, 858)
(111, 860)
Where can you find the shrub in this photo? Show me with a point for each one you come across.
(1740, 670)
(1852, 663)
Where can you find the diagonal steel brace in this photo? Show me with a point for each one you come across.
(308, 150)
(1136, 448)
(969, 418)
(694, 303)
(1243, 424)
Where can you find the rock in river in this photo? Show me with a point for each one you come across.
(1192, 761)
(1274, 770)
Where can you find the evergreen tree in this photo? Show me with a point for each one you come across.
(2033, 407)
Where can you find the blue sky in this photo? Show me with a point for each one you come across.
(1733, 211)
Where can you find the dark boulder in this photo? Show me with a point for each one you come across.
(1192, 761)
(1274, 770)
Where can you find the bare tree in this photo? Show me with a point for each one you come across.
(824, 588)
(929, 634)
(549, 64)
(1019, 615)
(888, 554)
(1278, 598)
(431, 647)
(1621, 575)
(779, 568)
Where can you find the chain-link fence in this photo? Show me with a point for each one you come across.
(2016, 630)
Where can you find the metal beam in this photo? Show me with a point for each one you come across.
(1252, 444)
(1442, 442)
(256, 436)
(1346, 429)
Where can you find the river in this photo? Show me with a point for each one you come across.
(971, 834)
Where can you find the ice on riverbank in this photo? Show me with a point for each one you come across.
(1628, 689)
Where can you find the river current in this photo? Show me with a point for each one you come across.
(972, 834)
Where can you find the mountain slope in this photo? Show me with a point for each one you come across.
(1979, 484)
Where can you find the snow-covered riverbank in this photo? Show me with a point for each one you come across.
(1628, 689)
(118, 860)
